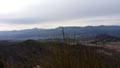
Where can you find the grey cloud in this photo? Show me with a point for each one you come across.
(21, 21)
(60, 10)
(73, 9)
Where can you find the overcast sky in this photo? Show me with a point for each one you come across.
(25, 14)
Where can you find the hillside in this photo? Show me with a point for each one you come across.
(30, 53)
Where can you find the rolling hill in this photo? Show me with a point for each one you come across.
(79, 32)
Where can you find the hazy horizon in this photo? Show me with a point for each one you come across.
(27, 14)
(59, 27)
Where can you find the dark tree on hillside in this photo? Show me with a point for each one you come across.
(63, 34)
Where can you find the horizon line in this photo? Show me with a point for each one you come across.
(59, 27)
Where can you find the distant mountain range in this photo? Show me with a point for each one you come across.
(71, 32)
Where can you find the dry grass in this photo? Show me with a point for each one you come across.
(59, 55)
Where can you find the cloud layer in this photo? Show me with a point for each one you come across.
(63, 12)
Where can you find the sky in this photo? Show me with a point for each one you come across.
(27, 14)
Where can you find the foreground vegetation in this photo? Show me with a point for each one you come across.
(34, 54)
